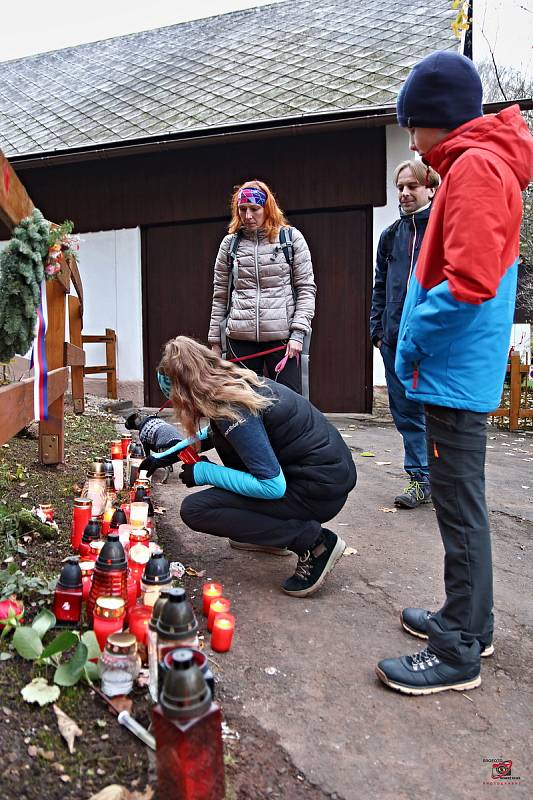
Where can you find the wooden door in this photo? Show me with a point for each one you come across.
(177, 288)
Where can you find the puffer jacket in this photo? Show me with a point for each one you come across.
(262, 305)
(456, 322)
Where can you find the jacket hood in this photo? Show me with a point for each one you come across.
(505, 134)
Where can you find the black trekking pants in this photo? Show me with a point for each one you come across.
(291, 374)
(456, 448)
(292, 521)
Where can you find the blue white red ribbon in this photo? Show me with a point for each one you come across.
(38, 360)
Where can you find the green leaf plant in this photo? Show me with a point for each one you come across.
(28, 642)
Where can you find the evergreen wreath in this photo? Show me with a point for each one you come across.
(21, 274)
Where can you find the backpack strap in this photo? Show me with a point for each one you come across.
(285, 240)
(233, 266)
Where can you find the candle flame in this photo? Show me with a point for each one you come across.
(223, 624)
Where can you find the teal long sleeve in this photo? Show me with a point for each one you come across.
(239, 482)
(202, 434)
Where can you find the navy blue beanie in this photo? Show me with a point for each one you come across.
(442, 91)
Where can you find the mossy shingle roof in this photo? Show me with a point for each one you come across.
(287, 59)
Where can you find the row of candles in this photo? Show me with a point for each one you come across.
(123, 578)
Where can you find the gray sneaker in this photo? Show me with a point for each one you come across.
(259, 548)
(415, 494)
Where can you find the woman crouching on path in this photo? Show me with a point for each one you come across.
(286, 469)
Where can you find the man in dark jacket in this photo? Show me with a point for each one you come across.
(397, 253)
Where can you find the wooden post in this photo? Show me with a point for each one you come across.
(52, 432)
(111, 362)
(515, 389)
(76, 373)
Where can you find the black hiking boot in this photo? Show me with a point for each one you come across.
(315, 564)
(415, 494)
(415, 622)
(425, 673)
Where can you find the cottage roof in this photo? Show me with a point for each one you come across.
(288, 59)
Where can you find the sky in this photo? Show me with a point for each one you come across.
(507, 25)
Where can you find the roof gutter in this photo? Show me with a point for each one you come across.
(240, 132)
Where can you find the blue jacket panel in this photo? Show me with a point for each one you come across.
(396, 256)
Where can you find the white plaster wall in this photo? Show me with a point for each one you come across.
(110, 269)
(397, 150)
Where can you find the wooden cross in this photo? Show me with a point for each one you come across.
(16, 399)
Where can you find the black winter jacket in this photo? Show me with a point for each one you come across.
(315, 460)
(393, 270)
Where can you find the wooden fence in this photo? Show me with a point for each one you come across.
(517, 398)
(16, 399)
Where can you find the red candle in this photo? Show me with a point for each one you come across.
(116, 448)
(81, 515)
(210, 591)
(109, 615)
(222, 635)
(139, 617)
(189, 455)
(125, 442)
(87, 569)
(220, 605)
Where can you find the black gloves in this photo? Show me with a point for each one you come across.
(150, 464)
(186, 475)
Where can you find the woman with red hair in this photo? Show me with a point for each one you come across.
(264, 288)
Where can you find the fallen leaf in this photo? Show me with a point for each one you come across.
(64, 778)
(367, 454)
(67, 728)
(350, 551)
(159, 510)
(32, 751)
(383, 463)
(24, 495)
(388, 510)
(39, 691)
(194, 573)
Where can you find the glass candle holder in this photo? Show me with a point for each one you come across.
(96, 490)
(138, 515)
(139, 536)
(118, 465)
(124, 532)
(106, 521)
(220, 605)
(68, 594)
(94, 548)
(110, 573)
(87, 569)
(209, 592)
(81, 514)
(138, 557)
(125, 442)
(119, 664)
(109, 616)
(222, 635)
(90, 533)
(139, 617)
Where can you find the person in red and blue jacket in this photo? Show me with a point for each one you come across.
(453, 344)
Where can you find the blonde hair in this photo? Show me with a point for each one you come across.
(425, 175)
(204, 385)
(274, 216)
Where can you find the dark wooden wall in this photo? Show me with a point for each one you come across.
(327, 183)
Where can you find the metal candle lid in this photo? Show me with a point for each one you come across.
(70, 576)
(109, 607)
(177, 620)
(185, 693)
(112, 556)
(96, 469)
(122, 644)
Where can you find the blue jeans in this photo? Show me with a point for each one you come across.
(409, 418)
